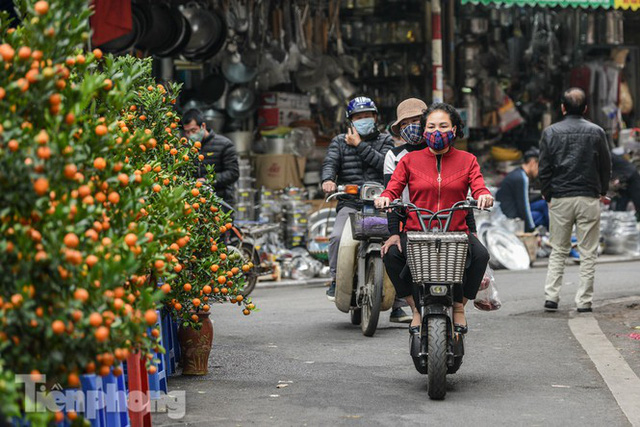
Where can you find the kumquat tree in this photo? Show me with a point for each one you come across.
(101, 221)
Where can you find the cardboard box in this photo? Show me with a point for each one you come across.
(275, 116)
(285, 100)
(278, 171)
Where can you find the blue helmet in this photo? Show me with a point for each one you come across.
(361, 104)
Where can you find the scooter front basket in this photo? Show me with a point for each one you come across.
(437, 257)
(368, 225)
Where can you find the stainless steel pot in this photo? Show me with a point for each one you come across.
(242, 140)
(237, 72)
(241, 102)
(274, 145)
(215, 119)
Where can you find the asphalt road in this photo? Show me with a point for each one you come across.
(522, 366)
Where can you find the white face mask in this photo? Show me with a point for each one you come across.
(365, 126)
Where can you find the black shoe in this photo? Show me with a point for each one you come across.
(460, 329)
(550, 306)
(398, 315)
(585, 310)
(414, 330)
(331, 292)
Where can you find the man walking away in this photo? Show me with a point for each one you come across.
(575, 168)
(513, 194)
(218, 151)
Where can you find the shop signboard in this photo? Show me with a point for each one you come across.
(627, 4)
(605, 4)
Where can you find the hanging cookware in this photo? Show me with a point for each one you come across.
(211, 88)
(162, 32)
(208, 33)
(237, 72)
(215, 119)
(183, 34)
(241, 102)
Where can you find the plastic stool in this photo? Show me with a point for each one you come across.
(158, 381)
(168, 342)
(116, 404)
(139, 405)
(176, 349)
(94, 405)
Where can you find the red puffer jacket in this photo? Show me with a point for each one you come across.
(431, 190)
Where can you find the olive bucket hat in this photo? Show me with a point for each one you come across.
(412, 107)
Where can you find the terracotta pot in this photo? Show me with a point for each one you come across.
(195, 346)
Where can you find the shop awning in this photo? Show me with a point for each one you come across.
(605, 4)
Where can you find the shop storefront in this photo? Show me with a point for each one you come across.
(275, 78)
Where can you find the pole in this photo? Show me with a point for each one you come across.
(436, 50)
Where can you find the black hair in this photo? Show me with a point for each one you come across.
(454, 116)
(191, 115)
(531, 153)
(574, 100)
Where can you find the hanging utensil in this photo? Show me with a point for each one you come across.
(241, 102)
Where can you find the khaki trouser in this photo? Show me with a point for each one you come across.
(564, 212)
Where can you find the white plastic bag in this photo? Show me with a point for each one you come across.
(487, 298)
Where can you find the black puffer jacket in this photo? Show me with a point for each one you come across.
(574, 159)
(220, 152)
(346, 164)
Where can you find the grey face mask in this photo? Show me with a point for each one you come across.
(198, 136)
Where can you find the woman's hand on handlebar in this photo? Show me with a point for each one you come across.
(391, 241)
(381, 202)
(485, 201)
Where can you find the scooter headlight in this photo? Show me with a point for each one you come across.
(370, 191)
(438, 290)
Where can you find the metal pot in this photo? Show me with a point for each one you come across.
(208, 33)
(241, 102)
(183, 34)
(162, 32)
(215, 119)
(212, 88)
(242, 140)
(238, 72)
(275, 145)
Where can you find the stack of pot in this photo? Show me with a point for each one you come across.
(296, 214)
(246, 194)
(269, 207)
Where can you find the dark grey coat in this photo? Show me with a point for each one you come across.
(220, 152)
(345, 164)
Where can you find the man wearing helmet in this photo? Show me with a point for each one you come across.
(353, 158)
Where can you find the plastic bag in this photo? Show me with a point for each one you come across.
(487, 298)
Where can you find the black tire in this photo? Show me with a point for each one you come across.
(249, 254)
(373, 295)
(356, 316)
(437, 357)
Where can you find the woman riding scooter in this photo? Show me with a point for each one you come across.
(437, 177)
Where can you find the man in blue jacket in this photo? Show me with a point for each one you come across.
(513, 194)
